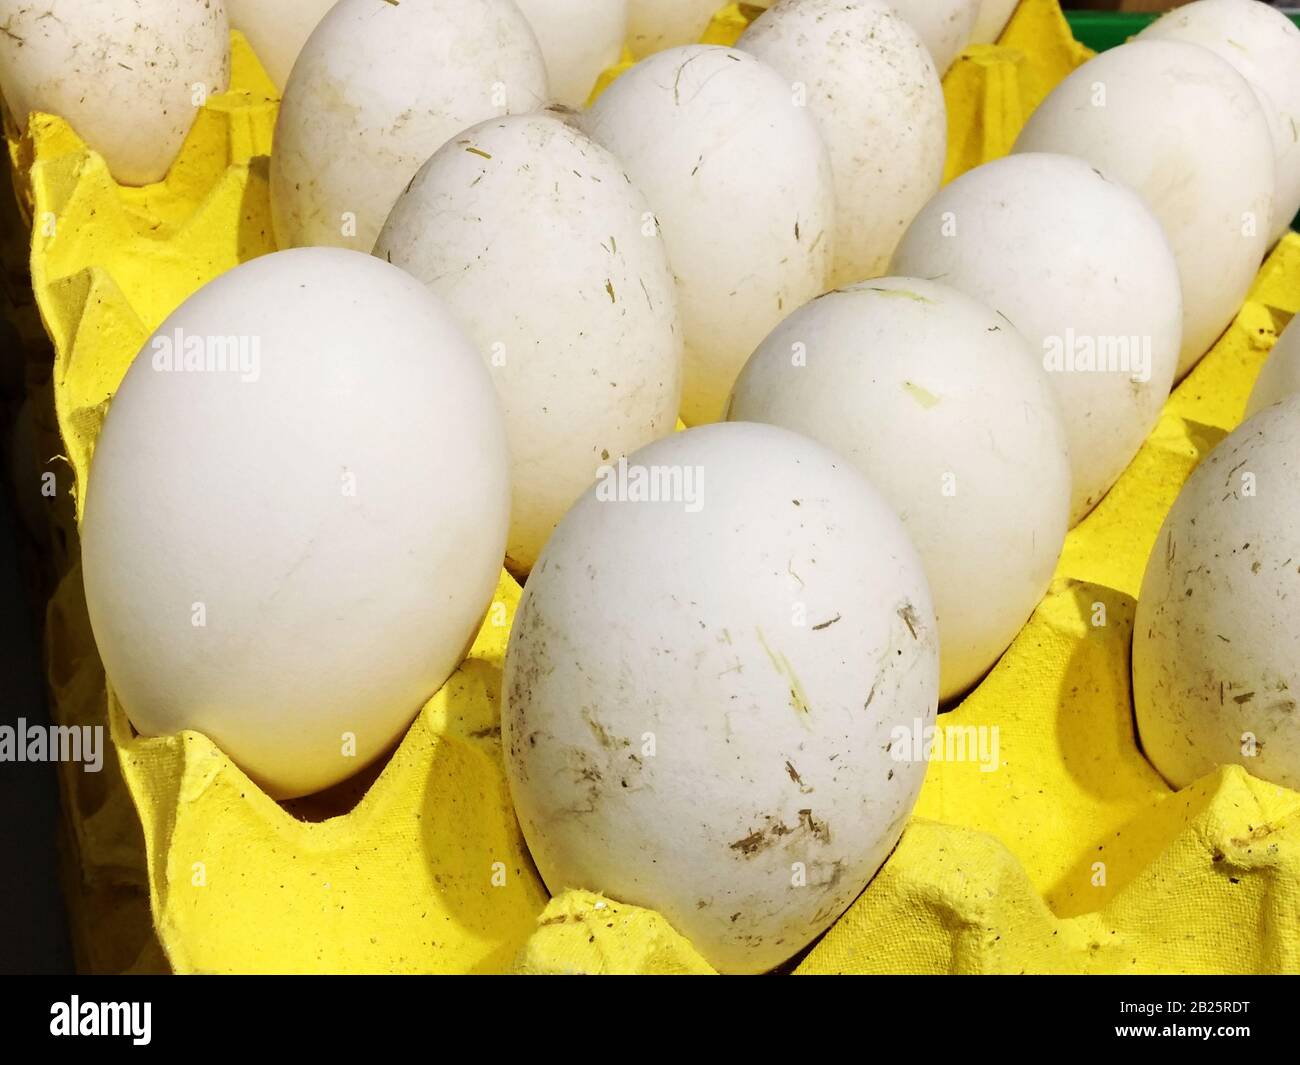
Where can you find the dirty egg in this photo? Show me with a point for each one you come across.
(992, 20)
(1179, 126)
(128, 76)
(946, 26)
(704, 685)
(1216, 640)
(377, 89)
(277, 30)
(1082, 268)
(939, 402)
(654, 25)
(1263, 45)
(296, 515)
(875, 95)
(712, 133)
(579, 39)
(534, 238)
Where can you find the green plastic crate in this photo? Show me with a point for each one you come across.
(1101, 30)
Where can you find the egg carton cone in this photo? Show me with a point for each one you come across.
(1058, 849)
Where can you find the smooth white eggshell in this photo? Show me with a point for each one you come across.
(1281, 374)
(1078, 263)
(696, 697)
(946, 26)
(1183, 129)
(943, 407)
(302, 550)
(992, 20)
(277, 30)
(741, 184)
(533, 237)
(124, 74)
(377, 89)
(1264, 46)
(1216, 641)
(874, 92)
(654, 25)
(580, 39)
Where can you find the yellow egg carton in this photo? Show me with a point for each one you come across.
(1055, 848)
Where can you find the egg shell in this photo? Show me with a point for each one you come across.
(654, 25)
(579, 39)
(878, 103)
(942, 406)
(377, 89)
(1082, 268)
(1216, 641)
(992, 20)
(127, 75)
(299, 548)
(1281, 374)
(702, 693)
(1263, 45)
(277, 30)
(741, 184)
(1183, 129)
(533, 236)
(946, 26)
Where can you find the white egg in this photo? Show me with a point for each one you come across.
(1216, 642)
(127, 75)
(874, 92)
(533, 237)
(716, 672)
(580, 39)
(741, 184)
(277, 30)
(1281, 374)
(377, 89)
(296, 515)
(654, 25)
(992, 20)
(946, 26)
(1082, 268)
(942, 406)
(1183, 129)
(1264, 47)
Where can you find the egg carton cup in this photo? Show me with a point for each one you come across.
(1058, 850)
